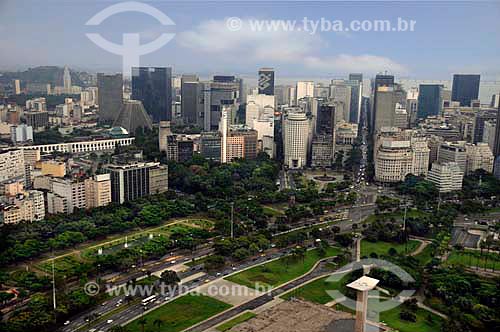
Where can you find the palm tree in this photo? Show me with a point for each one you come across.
(158, 323)
(142, 322)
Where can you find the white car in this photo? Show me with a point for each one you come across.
(109, 321)
(66, 323)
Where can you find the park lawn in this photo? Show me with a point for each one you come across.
(181, 313)
(381, 248)
(270, 211)
(315, 291)
(426, 255)
(235, 321)
(280, 271)
(198, 261)
(391, 318)
(473, 258)
(148, 281)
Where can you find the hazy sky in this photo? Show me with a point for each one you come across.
(449, 37)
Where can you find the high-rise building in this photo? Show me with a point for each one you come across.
(304, 89)
(465, 88)
(489, 134)
(356, 84)
(453, 152)
(21, 133)
(153, 87)
(384, 106)
(191, 100)
(430, 100)
(163, 132)
(496, 150)
(132, 181)
(446, 176)
(322, 151)
(210, 145)
(133, 116)
(341, 94)
(266, 81)
(11, 165)
(66, 196)
(325, 120)
(295, 139)
(110, 96)
(98, 191)
(380, 81)
(249, 140)
(17, 87)
(67, 80)
(258, 106)
(221, 92)
(479, 156)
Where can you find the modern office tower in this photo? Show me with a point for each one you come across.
(453, 152)
(191, 97)
(385, 106)
(132, 181)
(479, 156)
(295, 139)
(282, 94)
(400, 117)
(266, 81)
(66, 196)
(446, 176)
(163, 132)
(98, 191)
(480, 117)
(495, 100)
(185, 148)
(380, 81)
(356, 84)
(221, 92)
(210, 145)
(224, 130)
(11, 165)
(321, 91)
(489, 133)
(496, 149)
(430, 100)
(153, 87)
(67, 80)
(265, 135)
(465, 88)
(110, 96)
(304, 89)
(17, 87)
(133, 116)
(258, 106)
(341, 93)
(322, 151)
(21, 133)
(325, 120)
(412, 106)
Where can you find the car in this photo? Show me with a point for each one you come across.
(67, 323)
(234, 269)
(109, 321)
(167, 298)
(92, 330)
(207, 281)
(218, 274)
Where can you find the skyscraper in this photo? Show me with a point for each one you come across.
(153, 86)
(191, 93)
(266, 81)
(304, 89)
(110, 96)
(430, 100)
(380, 81)
(496, 147)
(384, 106)
(295, 139)
(67, 80)
(356, 84)
(222, 91)
(465, 88)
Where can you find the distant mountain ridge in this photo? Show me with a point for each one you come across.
(45, 74)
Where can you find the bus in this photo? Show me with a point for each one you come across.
(148, 300)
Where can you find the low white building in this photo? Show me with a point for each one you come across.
(446, 176)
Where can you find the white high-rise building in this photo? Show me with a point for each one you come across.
(163, 133)
(446, 176)
(295, 139)
(224, 130)
(257, 106)
(21, 133)
(479, 156)
(304, 89)
(340, 92)
(489, 133)
(453, 152)
(67, 80)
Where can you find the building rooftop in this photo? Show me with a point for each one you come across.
(364, 284)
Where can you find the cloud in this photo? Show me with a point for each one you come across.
(214, 37)
(301, 49)
(366, 63)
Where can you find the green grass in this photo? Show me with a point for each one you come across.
(181, 313)
(391, 318)
(272, 212)
(197, 261)
(382, 248)
(473, 258)
(315, 291)
(426, 255)
(236, 321)
(280, 271)
(147, 281)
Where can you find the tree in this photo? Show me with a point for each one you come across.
(169, 277)
(142, 322)
(119, 328)
(408, 315)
